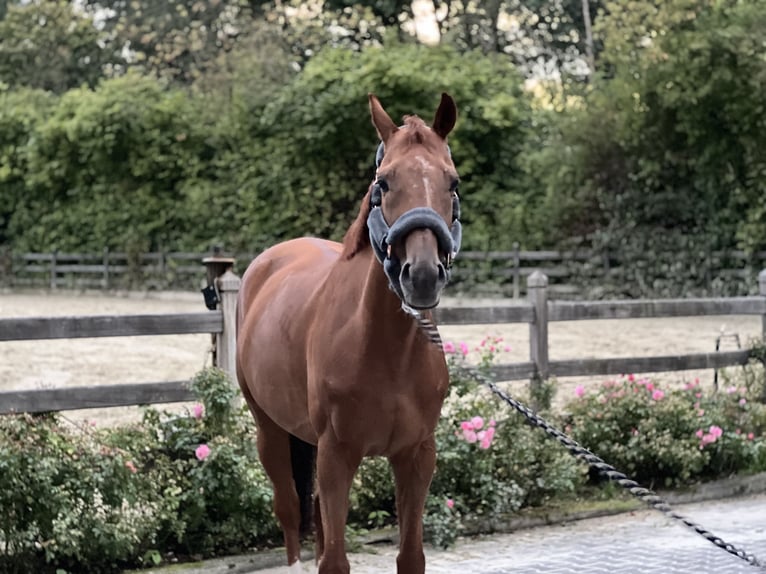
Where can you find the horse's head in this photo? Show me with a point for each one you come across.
(414, 209)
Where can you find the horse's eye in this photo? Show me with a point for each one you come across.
(382, 184)
(453, 186)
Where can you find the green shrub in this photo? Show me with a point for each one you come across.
(67, 500)
(670, 437)
(98, 500)
(490, 463)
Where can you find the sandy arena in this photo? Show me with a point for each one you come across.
(75, 362)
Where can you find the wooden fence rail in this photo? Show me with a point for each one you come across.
(537, 311)
(163, 270)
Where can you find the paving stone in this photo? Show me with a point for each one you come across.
(642, 542)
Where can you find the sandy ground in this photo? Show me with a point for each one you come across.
(74, 362)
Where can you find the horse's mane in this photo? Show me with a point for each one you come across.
(358, 235)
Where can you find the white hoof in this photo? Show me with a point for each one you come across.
(295, 568)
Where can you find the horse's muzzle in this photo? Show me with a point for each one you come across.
(422, 283)
(419, 280)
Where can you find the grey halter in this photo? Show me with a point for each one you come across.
(383, 237)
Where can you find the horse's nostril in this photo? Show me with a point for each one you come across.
(405, 273)
(442, 273)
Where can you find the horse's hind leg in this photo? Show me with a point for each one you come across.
(274, 452)
(319, 530)
(413, 471)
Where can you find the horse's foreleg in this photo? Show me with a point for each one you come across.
(413, 470)
(336, 466)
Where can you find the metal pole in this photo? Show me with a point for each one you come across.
(588, 36)
(762, 291)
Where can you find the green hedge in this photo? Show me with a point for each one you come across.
(136, 165)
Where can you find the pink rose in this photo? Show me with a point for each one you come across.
(657, 395)
(450, 503)
(131, 467)
(198, 411)
(466, 425)
(486, 440)
(449, 347)
(716, 431)
(202, 452)
(463, 348)
(477, 422)
(579, 391)
(470, 436)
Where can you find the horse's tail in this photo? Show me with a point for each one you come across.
(302, 457)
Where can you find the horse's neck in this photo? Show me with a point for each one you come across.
(378, 307)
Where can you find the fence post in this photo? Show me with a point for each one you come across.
(53, 270)
(537, 294)
(163, 269)
(516, 270)
(106, 268)
(226, 342)
(221, 293)
(762, 291)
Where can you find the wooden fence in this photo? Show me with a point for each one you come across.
(494, 272)
(537, 311)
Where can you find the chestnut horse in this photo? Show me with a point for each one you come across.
(330, 362)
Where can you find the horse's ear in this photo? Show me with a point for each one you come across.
(383, 123)
(446, 116)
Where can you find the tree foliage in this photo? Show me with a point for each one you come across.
(316, 156)
(665, 146)
(110, 168)
(174, 39)
(47, 44)
(252, 133)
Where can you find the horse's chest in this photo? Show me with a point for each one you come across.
(380, 418)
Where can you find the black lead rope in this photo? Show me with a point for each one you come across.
(647, 496)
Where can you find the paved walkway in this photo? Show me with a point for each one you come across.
(633, 543)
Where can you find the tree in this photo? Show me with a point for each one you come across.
(665, 152)
(46, 44)
(540, 35)
(21, 112)
(313, 149)
(391, 13)
(174, 39)
(111, 167)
